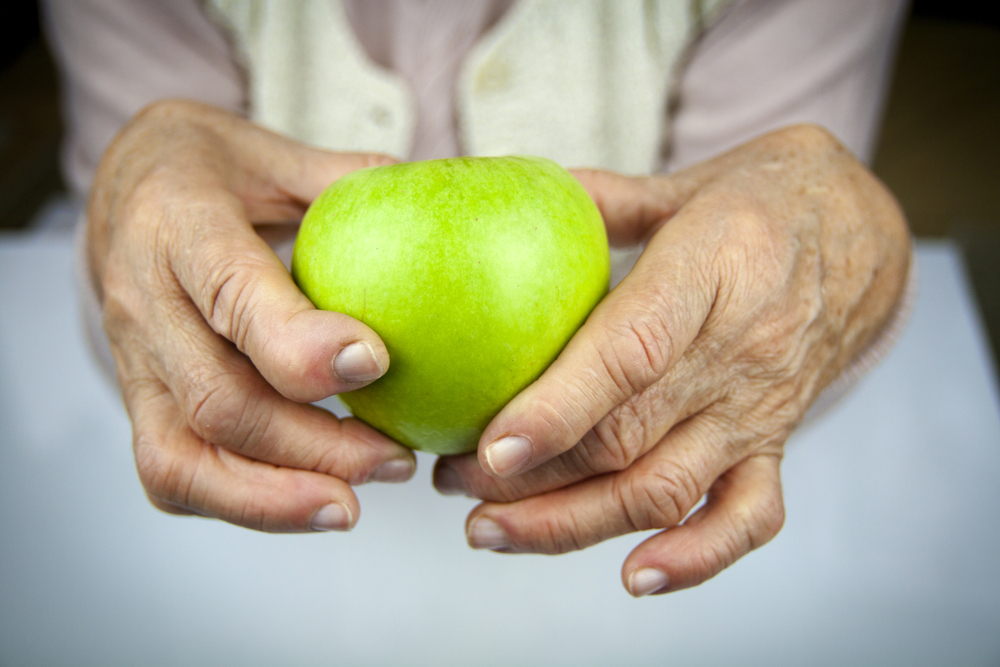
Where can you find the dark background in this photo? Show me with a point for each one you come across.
(938, 151)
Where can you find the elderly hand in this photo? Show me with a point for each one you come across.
(767, 270)
(216, 350)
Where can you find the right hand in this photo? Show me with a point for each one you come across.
(217, 352)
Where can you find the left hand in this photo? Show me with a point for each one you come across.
(767, 270)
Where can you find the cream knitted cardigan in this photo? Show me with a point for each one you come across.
(582, 82)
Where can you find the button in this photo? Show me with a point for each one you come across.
(493, 75)
(380, 115)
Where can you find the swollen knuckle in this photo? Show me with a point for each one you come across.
(810, 137)
(162, 474)
(614, 443)
(221, 412)
(659, 497)
(164, 110)
(212, 408)
(151, 465)
(649, 343)
(754, 262)
(227, 293)
(720, 555)
(118, 309)
(770, 518)
(601, 449)
(548, 540)
(640, 348)
(378, 160)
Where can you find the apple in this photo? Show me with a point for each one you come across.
(475, 272)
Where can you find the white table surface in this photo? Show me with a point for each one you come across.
(890, 554)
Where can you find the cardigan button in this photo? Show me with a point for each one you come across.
(380, 115)
(493, 75)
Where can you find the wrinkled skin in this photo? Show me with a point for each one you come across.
(767, 270)
(215, 348)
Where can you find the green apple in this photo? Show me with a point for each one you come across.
(474, 271)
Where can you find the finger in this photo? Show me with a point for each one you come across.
(281, 169)
(168, 508)
(272, 169)
(657, 491)
(227, 403)
(744, 510)
(244, 291)
(630, 341)
(183, 473)
(635, 207)
(275, 176)
(623, 435)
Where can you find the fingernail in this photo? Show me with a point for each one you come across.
(508, 455)
(334, 516)
(485, 533)
(448, 482)
(396, 470)
(646, 580)
(357, 363)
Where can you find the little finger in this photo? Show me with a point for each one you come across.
(744, 510)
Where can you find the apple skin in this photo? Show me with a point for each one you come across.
(475, 272)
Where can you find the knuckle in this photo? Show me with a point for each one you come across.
(810, 137)
(378, 160)
(221, 412)
(718, 555)
(766, 521)
(600, 450)
(754, 262)
(497, 491)
(161, 472)
(559, 533)
(614, 443)
(354, 466)
(227, 295)
(165, 110)
(659, 497)
(118, 310)
(641, 346)
(151, 466)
